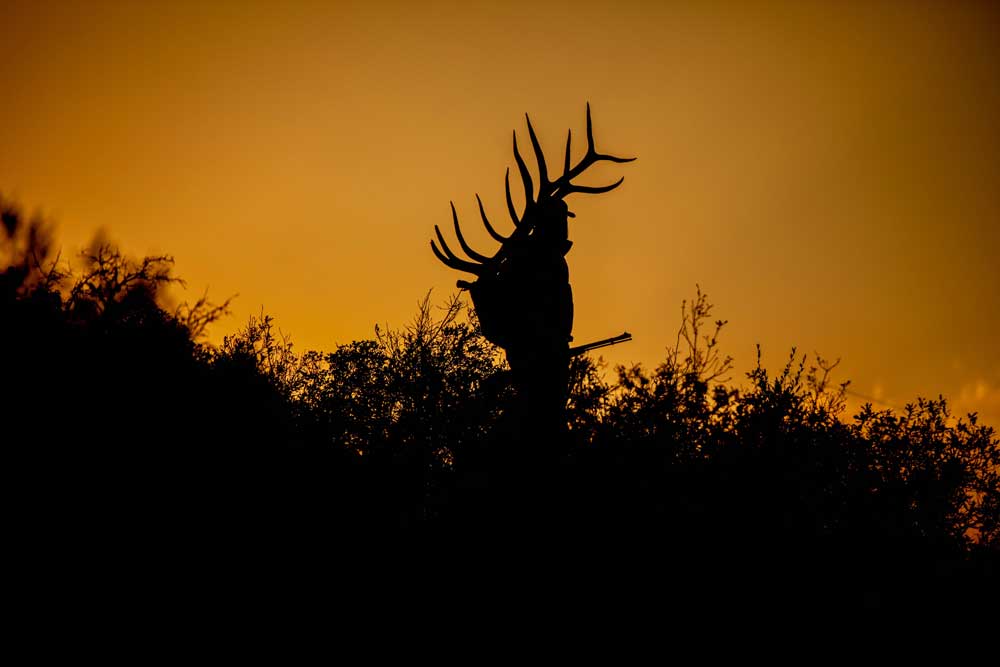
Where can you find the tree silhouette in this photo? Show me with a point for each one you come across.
(126, 428)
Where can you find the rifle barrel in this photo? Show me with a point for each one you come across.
(623, 337)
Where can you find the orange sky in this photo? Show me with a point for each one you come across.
(828, 172)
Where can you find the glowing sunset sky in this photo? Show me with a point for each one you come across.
(828, 172)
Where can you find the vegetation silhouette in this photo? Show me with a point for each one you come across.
(127, 431)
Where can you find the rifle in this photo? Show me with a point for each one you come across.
(614, 340)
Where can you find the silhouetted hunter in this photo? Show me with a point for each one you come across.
(522, 294)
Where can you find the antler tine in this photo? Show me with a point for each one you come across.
(569, 140)
(482, 212)
(529, 186)
(544, 186)
(461, 239)
(510, 200)
(563, 185)
(472, 267)
(456, 263)
(590, 133)
(591, 189)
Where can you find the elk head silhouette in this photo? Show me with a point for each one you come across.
(522, 294)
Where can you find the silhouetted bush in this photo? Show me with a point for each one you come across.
(129, 425)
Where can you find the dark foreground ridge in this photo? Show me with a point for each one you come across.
(139, 454)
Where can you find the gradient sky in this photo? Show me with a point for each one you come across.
(829, 173)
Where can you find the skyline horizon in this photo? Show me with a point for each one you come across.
(828, 174)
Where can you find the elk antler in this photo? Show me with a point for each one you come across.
(547, 190)
(563, 186)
